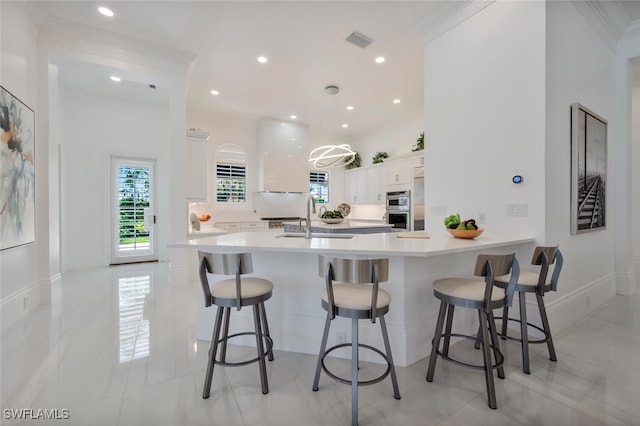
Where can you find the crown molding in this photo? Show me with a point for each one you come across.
(448, 16)
(73, 36)
(606, 17)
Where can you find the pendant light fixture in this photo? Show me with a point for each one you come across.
(326, 156)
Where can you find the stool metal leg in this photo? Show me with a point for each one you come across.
(323, 347)
(354, 372)
(212, 354)
(478, 337)
(495, 342)
(225, 335)
(387, 348)
(447, 331)
(435, 344)
(265, 324)
(486, 354)
(524, 334)
(505, 321)
(260, 347)
(547, 329)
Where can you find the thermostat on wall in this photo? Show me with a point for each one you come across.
(516, 179)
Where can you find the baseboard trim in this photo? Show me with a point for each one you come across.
(22, 302)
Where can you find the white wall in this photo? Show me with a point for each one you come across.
(484, 118)
(242, 129)
(21, 267)
(97, 128)
(395, 138)
(580, 68)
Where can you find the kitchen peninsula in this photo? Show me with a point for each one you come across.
(296, 318)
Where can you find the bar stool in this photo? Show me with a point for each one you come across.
(538, 283)
(484, 297)
(235, 292)
(357, 296)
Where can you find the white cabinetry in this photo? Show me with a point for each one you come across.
(399, 171)
(364, 185)
(283, 149)
(197, 165)
(242, 226)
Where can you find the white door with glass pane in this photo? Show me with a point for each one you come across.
(132, 212)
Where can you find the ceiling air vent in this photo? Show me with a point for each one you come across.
(359, 40)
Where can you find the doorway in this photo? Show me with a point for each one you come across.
(132, 213)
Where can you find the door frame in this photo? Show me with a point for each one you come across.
(115, 257)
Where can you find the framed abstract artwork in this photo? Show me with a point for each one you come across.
(17, 172)
(588, 170)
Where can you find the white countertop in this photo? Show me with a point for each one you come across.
(383, 244)
(347, 224)
(209, 231)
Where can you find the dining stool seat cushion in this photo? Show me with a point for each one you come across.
(466, 288)
(356, 296)
(251, 287)
(525, 279)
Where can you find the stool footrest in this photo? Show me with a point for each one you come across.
(499, 356)
(269, 347)
(516, 339)
(360, 382)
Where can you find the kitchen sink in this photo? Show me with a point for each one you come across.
(313, 235)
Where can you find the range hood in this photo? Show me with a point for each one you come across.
(283, 148)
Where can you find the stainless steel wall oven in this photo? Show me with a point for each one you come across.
(398, 210)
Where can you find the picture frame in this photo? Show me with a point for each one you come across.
(588, 170)
(17, 172)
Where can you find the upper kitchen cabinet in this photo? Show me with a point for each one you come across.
(364, 185)
(399, 171)
(283, 149)
(197, 166)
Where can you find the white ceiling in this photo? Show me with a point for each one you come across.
(305, 44)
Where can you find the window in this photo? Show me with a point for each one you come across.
(231, 183)
(319, 186)
(231, 174)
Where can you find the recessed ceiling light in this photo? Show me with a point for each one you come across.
(114, 78)
(105, 11)
(283, 124)
(262, 59)
(294, 139)
(379, 59)
(215, 92)
(396, 101)
(350, 108)
(344, 126)
(293, 117)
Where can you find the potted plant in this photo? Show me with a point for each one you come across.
(355, 163)
(379, 157)
(419, 143)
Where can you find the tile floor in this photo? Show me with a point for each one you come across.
(118, 348)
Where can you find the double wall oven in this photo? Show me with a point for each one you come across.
(398, 210)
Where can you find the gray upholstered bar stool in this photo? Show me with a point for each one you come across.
(539, 283)
(235, 293)
(483, 296)
(356, 296)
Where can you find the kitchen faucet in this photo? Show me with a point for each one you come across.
(311, 200)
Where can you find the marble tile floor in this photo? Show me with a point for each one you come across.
(118, 348)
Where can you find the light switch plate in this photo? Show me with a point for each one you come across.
(518, 210)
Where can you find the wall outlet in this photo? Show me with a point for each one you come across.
(482, 218)
(341, 337)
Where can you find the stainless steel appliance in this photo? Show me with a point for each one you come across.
(398, 210)
(417, 209)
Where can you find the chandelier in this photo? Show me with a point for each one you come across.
(326, 156)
